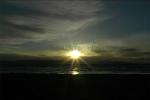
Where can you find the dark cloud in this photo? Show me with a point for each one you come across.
(122, 52)
(9, 29)
(131, 52)
(11, 25)
(7, 8)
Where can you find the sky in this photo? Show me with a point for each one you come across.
(102, 28)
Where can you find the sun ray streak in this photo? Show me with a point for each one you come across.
(72, 63)
(87, 65)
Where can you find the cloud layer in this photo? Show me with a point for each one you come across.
(56, 25)
(45, 20)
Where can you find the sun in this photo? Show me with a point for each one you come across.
(74, 54)
(75, 73)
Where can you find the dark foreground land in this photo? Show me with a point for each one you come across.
(74, 87)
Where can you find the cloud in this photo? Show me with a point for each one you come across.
(64, 9)
(48, 23)
(122, 52)
(133, 53)
(49, 17)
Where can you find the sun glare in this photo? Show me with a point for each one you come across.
(75, 73)
(75, 54)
